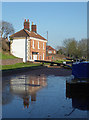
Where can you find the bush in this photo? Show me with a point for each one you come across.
(5, 45)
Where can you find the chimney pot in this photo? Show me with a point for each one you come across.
(33, 28)
(32, 23)
(26, 24)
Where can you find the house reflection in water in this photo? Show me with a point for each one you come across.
(27, 87)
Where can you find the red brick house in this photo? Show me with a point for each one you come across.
(28, 44)
(50, 50)
(50, 53)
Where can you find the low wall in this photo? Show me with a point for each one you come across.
(10, 61)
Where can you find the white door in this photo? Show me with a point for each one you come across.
(34, 57)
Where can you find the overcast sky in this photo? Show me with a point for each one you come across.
(62, 20)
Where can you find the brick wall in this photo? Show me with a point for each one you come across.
(39, 50)
(49, 58)
(10, 61)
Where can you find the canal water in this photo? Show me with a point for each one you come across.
(39, 96)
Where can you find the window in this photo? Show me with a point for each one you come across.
(43, 46)
(54, 52)
(33, 45)
(38, 81)
(30, 57)
(43, 56)
(49, 51)
(33, 82)
(38, 45)
(38, 56)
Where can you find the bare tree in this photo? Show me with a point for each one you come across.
(6, 28)
(82, 47)
(60, 50)
(70, 47)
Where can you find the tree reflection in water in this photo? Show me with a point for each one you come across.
(6, 96)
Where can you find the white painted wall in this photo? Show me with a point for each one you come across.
(18, 48)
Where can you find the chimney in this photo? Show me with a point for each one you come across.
(26, 24)
(33, 28)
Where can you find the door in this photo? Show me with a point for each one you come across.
(34, 57)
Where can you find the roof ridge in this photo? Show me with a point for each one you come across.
(50, 47)
(26, 32)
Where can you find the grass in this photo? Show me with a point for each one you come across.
(6, 56)
(19, 65)
(61, 61)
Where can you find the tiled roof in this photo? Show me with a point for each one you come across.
(26, 33)
(35, 35)
(50, 48)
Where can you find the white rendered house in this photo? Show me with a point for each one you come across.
(27, 44)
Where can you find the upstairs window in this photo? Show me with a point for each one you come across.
(43, 46)
(50, 51)
(38, 45)
(33, 45)
(54, 52)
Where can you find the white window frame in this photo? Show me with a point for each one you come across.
(54, 52)
(43, 56)
(33, 45)
(43, 45)
(30, 57)
(33, 82)
(49, 51)
(38, 45)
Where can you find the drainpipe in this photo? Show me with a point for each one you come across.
(25, 51)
